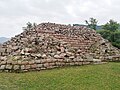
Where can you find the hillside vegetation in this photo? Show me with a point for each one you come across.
(109, 31)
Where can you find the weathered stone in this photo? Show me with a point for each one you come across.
(57, 57)
(37, 61)
(44, 56)
(62, 49)
(96, 61)
(22, 67)
(54, 45)
(2, 67)
(27, 54)
(2, 50)
(62, 63)
(9, 67)
(69, 54)
(72, 63)
(3, 62)
(27, 66)
(9, 61)
(39, 55)
(22, 52)
(58, 52)
(3, 58)
(17, 58)
(62, 55)
(25, 62)
(58, 63)
(49, 60)
(15, 48)
(14, 62)
(60, 60)
(49, 67)
(39, 65)
(79, 51)
(19, 62)
(16, 67)
(43, 60)
(33, 66)
(85, 63)
(28, 50)
(80, 63)
(43, 68)
(72, 57)
(46, 64)
(51, 64)
(31, 62)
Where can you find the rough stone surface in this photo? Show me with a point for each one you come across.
(9, 67)
(2, 67)
(16, 67)
(50, 45)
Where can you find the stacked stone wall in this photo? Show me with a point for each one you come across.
(51, 45)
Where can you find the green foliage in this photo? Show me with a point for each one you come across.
(30, 26)
(116, 39)
(113, 37)
(92, 23)
(110, 32)
(91, 77)
(111, 25)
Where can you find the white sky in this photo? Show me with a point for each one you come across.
(14, 14)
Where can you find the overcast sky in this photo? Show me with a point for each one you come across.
(14, 14)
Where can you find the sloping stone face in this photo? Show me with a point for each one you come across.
(51, 45)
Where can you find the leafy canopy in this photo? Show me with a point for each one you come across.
(92, 23)
(111, 25)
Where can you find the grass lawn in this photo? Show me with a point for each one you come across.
(90, 77)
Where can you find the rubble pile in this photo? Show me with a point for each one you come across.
(50, 45)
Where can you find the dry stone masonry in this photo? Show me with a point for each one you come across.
(50, 45)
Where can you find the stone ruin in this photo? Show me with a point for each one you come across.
(50, 45)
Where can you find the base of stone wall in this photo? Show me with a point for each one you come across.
(27, 67)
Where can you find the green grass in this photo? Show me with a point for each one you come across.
(90, 77)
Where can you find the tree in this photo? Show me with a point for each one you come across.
(29, 25)
(111, 25)
(113, 37)
(92, 23)
(110, 32)
(34, 26)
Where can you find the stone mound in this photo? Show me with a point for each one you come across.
(50, 45)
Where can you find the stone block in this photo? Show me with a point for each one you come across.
(57, 56)
(19, 62)
(49, 60)
(22, 67)
(25, 62)
(27, 67)
(16, 67)
(71, 57)
(3, 62)
(31, 62)
(46, 65)
(9, 62)
(39, 65)
(2, 67)
(33, 66)
(44, 56)
(38, 61)
(9, 67)
(86, 63)
(72, 63)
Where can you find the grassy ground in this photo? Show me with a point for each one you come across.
(91, 77)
